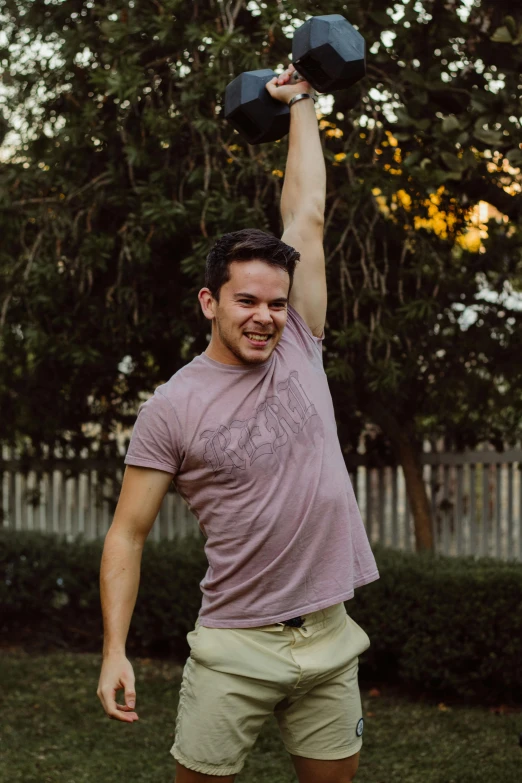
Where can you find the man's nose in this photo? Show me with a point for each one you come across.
(263, 314)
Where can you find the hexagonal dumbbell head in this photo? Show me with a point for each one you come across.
(329, 53)
(252, 111)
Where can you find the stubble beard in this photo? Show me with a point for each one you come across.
(236, 350)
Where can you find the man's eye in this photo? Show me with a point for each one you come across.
(245, 301)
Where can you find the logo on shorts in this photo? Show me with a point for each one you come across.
(360, 728)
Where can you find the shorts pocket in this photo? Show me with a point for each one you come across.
(358, 637)
(207, 645)
(192, 637)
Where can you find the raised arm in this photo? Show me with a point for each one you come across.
(303, 202)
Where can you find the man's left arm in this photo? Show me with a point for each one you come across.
(303, 205)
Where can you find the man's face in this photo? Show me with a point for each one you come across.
(248, 320)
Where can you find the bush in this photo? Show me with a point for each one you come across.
(446, 625)
(451, 626)
(50, 596)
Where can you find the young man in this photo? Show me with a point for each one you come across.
(247, 431)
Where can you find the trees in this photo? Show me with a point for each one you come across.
(128, 172)
(408, 283)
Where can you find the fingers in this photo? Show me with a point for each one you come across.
(285, 92)
(289, 76)
(285, 77)
(271, 86)
(277, 81)
(117, 673)
(130, 695)
(124, 714)
(127, 717)
(118, 711)
(121, 712)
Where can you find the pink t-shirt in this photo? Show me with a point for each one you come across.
(254, 451)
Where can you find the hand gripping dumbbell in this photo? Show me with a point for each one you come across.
(327, 52)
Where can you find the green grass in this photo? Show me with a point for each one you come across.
(54, 731)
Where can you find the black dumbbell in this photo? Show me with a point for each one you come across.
(326, 51)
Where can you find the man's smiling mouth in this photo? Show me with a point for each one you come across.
(260, 339)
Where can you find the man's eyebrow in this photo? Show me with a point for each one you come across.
(251, 296)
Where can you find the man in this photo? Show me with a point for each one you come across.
(247, 431)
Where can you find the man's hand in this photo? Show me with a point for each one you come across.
(284, 87)
(117, 673)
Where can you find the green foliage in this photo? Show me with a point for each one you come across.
(444, 625)
(49, 590)
(126, 173)
(421, 635)
(50, 598)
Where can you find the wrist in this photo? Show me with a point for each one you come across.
(113, 650)
(302, 96)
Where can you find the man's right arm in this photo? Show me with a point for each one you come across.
(142, 493)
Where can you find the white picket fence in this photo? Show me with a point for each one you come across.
(76, 496)
(476, 500)
(476, 503)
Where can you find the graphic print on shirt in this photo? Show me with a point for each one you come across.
(278, 418)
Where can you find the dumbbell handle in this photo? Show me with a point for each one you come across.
(296, 77)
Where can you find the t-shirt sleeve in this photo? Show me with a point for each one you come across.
(299, 333)
(156, 438)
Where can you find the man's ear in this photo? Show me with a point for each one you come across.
(208, 303)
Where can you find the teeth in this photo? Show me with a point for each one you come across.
(258, 338)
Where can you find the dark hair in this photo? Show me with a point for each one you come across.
(248, 244)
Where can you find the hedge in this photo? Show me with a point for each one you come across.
(50, 597)
(443, 624)
(450, 626)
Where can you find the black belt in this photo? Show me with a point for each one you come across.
(295, 622)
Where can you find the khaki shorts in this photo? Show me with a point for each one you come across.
(236, 677)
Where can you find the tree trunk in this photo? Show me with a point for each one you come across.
(408, 456)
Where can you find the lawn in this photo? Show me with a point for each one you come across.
(54, 731)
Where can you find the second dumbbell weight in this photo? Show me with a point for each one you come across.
(327, 51)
